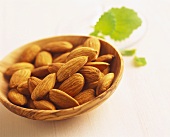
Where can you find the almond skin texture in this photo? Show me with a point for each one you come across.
(83, 51)
(105, 58)
(18, 77)
(30, 53)
(32, 83)
(58, 46)
(54, 67)
(71, 67)
(104, 83)
(91, 85)
(73, 85)
(43, 87)
(23, 88)
(85, 96)
(62, 99)
(40, 72)
(44, 105)
(100, 65)
(18, 66)
(93, 43)
(43, 58)
(106, 70)
(91, 74)
(62, 58)
(16, 98)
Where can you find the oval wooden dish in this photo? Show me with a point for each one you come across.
(35, 114)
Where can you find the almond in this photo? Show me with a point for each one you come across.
(18, 77)
(40, 72)
(91, 74)
(54, 67)
(44, 105)
(83, 51)
(62, 99)
(30, 53)
(93, 43)
(18, 66)
(62, 58)
(85, 96)
(104, 83)
(43, 87)
(58, 46)
(16, 98)
(91, 85)
(32, 83)
(73, 85)
(100, 65)
(71, 67)
(105, 58)
(106, 70)
(23, 88)
(43, 58)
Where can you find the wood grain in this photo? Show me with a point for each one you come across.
(116, 67)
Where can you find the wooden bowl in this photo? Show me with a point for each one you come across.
(116, 67)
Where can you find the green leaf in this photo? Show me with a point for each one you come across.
(106, 24)
(118, 23)
(127, 52)
(139, 61)
(126, 21)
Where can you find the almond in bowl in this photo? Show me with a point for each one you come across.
(59, 77)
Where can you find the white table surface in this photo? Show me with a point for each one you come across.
(140, 107)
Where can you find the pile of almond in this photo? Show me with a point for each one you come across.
(59, 76)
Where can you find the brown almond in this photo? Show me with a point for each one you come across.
(91, 85)
(58, 46)
(43, 87)
(91, 74)
(44, 105)
(100, 65)
(43, 58)
(85, 96)
(32, 83)
(30, 53)
(23, 88)
(105, 58)
(73, 85)
(54, 67)
(18, 77)
(62, 58)
(104, 83)
(18, 66)
(83, 51)
(17, 98)
(93, 43)
(62, 99)
(71, 67)
(40, 72)
(106, 70)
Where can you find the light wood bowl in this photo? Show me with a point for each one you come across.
(116, 67)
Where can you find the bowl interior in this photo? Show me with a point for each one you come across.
(116, 67)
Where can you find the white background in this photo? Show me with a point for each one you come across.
(140, 107)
